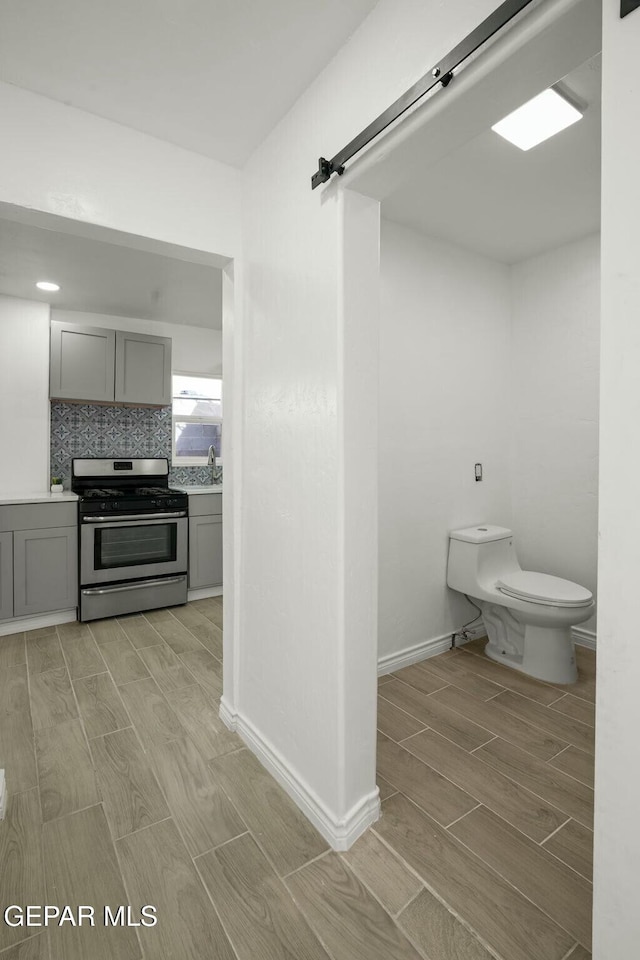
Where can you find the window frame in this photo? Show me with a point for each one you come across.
(176, 460)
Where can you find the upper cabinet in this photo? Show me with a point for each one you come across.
(143, 369)
(93, 364)
(82, 362)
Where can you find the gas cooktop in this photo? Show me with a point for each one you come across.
(103, 493)
(135, 485)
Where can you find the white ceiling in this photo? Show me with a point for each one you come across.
(491, 197)
(213, 76)
(108, 278)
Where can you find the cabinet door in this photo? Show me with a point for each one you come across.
(82, 362)
(45, 570)
(205, 552)
(143, 369)
(6, 576)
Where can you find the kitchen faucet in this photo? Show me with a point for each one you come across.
(212, 462)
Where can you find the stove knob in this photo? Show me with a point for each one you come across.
(115, 505)
(103, 506)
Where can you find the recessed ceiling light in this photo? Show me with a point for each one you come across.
(537, 120)
(47, 285)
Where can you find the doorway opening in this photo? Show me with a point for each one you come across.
(114, 281)
(488, 415)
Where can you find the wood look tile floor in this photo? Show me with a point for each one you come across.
(125, 787)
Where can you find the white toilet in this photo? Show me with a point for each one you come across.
(528, 616)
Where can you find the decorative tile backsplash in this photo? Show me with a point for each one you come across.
(98, 430)
(191, 475)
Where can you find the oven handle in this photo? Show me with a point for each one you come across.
(136, 516)
(120, 588)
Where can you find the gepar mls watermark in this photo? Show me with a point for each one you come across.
(52, 915)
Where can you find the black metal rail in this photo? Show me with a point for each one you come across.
(441, 73)
(627, 6)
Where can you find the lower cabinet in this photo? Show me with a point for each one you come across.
(6, 576)
(205, 551)
(38, 558)
(45, 570)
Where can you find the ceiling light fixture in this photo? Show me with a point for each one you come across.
(538, 119)
(47, 285)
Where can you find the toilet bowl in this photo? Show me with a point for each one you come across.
(528, 616)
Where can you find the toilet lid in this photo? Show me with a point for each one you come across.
(542, 588)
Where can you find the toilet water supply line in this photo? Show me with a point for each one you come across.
(462, 632)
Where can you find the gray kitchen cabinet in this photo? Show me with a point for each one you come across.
(37, 516)
(205, 504)
(45, 570)
(6, 576)
(205, 550)
(82, 362)
(110, 366)
(143, 369)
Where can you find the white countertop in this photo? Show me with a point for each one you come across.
(195, 488)
(10, 498)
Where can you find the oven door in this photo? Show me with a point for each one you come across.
(123, 549)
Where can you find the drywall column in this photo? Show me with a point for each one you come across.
(309, 545)
(617, 825)
(232, 514)
(358, 337)
(305, 696)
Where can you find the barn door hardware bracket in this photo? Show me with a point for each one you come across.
(441, 73)
(325, 169)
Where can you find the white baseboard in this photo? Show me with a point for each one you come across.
(421, 651)
(584, 638)
(431, 648)
(203, 592)
(340, 833)
(228, 716)
(18, 624)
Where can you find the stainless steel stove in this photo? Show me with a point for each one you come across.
(133, 536)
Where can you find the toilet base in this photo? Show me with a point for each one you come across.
(547, 654)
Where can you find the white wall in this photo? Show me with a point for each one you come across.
(24, 396)
(444, 386)
(483, 362)
(64, 161)
(193, 350)
(554, 401)
(307, 577)
(617, 825)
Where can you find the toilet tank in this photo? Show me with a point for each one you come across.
(478, 556)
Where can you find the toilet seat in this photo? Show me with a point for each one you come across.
(543, 588)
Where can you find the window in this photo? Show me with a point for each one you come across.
(197, 419)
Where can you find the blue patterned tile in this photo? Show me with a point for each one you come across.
(97, 430)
